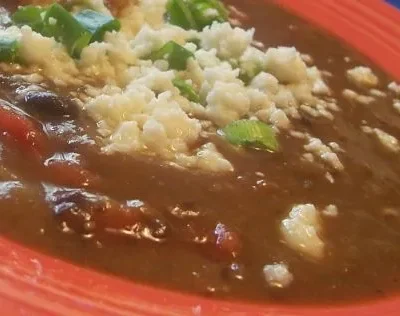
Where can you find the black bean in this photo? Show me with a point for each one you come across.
(49, 104)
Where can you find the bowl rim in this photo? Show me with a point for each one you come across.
(37, 284)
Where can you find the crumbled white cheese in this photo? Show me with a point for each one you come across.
(153, 11)
(388, 141)
(285, 99)
(301, 231)
(221, 73)
(330, 211)
(252, 61)
(265, 82)
(377, 93)
(286, 65)
(208, 58)
(329, 177)
(149, 40)
(277, 275)
(335, 147)
(227, 102)
(308, 157)
(395, 87)
(109, 60)
(362, 77)
(354, 96)
(319, 87)
(228, 41)
(278, 118)
(46, 53)
(297, 134)
(322, 151)
(4, 17)
(206, 158)
(136, 120)
(307, 59)
(133, 18)
(396, 105)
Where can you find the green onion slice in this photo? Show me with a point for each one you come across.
(247, 75)
(195, 41)
(205, 12)
(29, 15)
(75, 32)
(61, 25)
(186, 90)
(178, 13)
(8, 50)
(223, 11)
(251, 133)
(195, 14)
(97, 23)
(176, 55)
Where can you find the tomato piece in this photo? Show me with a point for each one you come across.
(71, 174)
(220, 244)
(24, 132)
(227, 241)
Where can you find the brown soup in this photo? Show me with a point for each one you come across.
(210, 234)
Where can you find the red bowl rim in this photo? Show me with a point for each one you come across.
(36, 284)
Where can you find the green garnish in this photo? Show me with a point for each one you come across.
(195, 41)
(75, 32)
(61, 25)
(251, 133)
(29, 15)
(178, 13)
(195, 14)
(205, 12)
(247, 75)
(97, 23)
(186, 90)
(176, 55)
(8, 50)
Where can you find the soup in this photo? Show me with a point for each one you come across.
(203, 160)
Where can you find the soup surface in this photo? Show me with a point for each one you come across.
(232, 234)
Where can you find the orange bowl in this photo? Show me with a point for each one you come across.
(35, 284)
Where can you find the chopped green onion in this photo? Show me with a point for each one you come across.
(186, 90)
(61, 25)
(195, 14)
(75, 32)
(219, 6)
(247, 75)
(205, 12)
(254, 134)
(29, 15)
(195, 41)
(8, 50)
(97, 23)
(178, 13)
(175, 54)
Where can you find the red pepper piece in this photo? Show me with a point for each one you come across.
(28, 136)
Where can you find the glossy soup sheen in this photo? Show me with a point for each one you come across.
(177, 211)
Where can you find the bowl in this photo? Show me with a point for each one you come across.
(32, 283)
